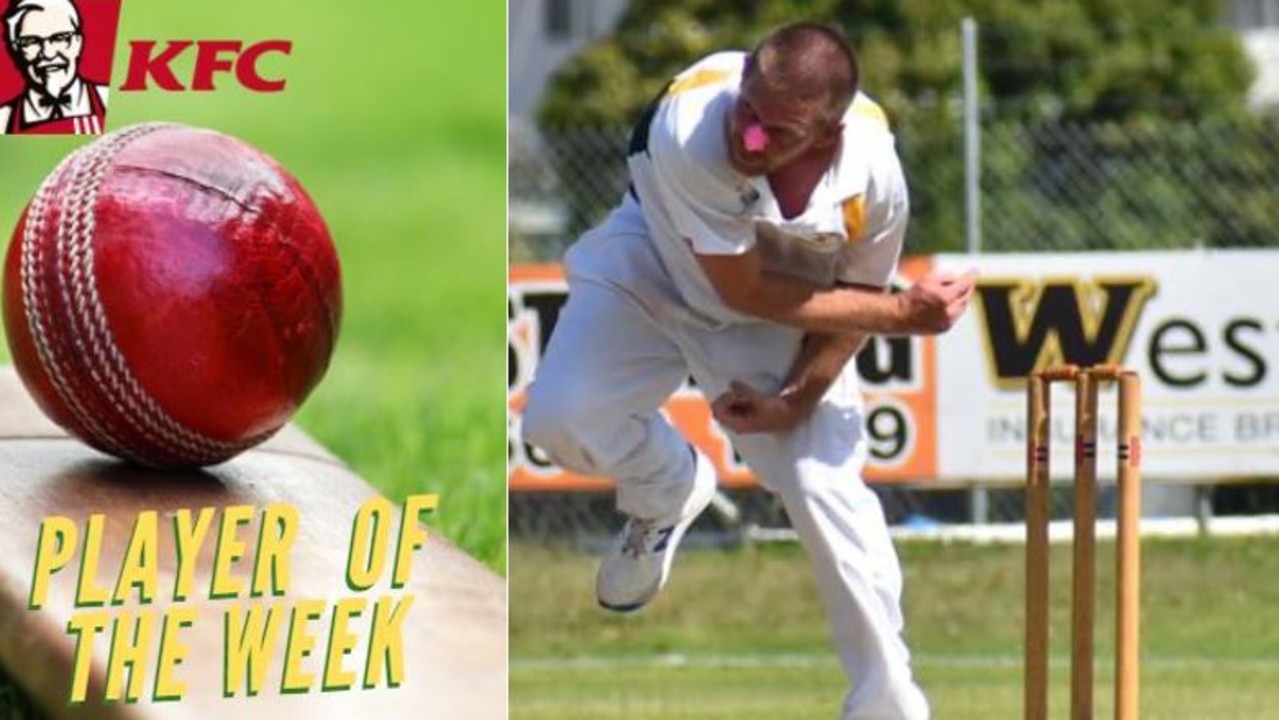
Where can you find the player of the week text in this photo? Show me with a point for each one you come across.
(252, 629)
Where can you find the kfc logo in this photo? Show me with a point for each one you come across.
(150, 64)
(61, 53)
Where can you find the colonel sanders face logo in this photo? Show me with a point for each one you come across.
(46, 39)
(48, 43)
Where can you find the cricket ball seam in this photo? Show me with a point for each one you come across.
(34, 304)
(122, 384)
(79, 397)
(118, 382)
(90, 331)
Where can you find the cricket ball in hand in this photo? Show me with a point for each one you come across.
(171, 295)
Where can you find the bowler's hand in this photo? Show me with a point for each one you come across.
(935, 303)
(745, 410)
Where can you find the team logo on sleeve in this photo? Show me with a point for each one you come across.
(60, 54)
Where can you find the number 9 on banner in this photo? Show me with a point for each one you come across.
(890, 427)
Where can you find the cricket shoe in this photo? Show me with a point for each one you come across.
(637, 566)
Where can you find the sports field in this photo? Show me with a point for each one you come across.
(739, 635)
(395, 123)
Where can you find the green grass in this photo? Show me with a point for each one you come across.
(741, 635)
(395, 123)
(1195, 692)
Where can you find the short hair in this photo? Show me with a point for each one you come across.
(21, 8)
(813, 61)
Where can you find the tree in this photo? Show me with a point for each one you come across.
(1138, 70)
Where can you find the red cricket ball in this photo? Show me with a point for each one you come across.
(171, 295)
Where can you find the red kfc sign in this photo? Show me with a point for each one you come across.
(61, 54)
(150, 64)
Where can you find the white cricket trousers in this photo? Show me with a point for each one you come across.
(623, 345)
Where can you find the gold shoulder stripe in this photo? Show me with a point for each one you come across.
(869, 109)
(694, 80)
(855, 217)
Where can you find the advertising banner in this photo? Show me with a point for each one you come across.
(952, 408)
(1196, 325)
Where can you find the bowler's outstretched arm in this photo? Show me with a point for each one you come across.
(930, 306)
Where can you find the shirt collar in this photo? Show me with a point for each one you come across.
(35, 111)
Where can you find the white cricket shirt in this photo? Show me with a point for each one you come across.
(693, 201)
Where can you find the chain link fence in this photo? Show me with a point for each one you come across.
(1046, 186)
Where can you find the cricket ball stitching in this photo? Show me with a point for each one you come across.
(71, 222)
(33, 293)
(106, 363)
(122, 385)
(67, 222)
(74, 242)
